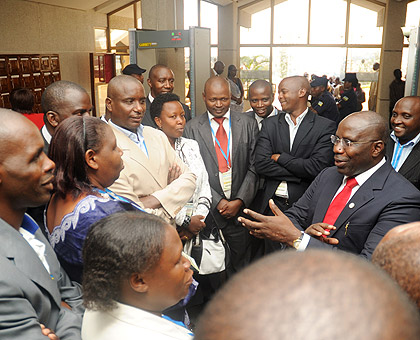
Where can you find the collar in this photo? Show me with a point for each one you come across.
(46, 134)
(414, 141)
(298, 119)
(151, 99)
(128, 133)
(364, 176)
(29, 224)
(227, 115)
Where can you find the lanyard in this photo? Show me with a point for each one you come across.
(116, 197)
(397, 153)
(225, 156)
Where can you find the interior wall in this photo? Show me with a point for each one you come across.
(29, 27)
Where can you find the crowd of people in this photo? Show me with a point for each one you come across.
(148, 223)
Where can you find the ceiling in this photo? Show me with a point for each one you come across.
(107, 6)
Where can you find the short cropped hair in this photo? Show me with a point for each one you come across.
(73, 137)
(157, 105)
(22, 100)
(54, 94)
(116, 247)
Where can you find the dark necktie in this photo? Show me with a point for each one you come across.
(339, 202)
(223, 141)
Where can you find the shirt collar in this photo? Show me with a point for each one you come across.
(414, 141)
(227, 115)
(46, 134)
(364, 176)
(29, 224)
(298, 119)
(128, 133)
(150, 97)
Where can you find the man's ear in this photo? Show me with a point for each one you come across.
(377, 148)
(108, 104)
(137, 283)
(204, 96)
(302, 92)
(149, 82)
(90, 159)
(53, 118)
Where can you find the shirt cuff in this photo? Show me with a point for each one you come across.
(304, 243)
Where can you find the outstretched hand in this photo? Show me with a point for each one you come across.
(277, 228)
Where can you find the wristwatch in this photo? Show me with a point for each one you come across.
(296, 243)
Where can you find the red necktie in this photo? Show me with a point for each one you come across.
(223, 141)
(339, 202)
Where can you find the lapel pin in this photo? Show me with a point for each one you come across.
(351, 205)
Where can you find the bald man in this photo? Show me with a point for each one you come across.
(292, 148)
(161, 80)
(33, 286)
(398, 254)
(350, 206)
(228, 155)
(403, 148)
(153, 176)
(319, 295)
(261, 97)
(61, 100)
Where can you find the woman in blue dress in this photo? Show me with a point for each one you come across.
(88, 161)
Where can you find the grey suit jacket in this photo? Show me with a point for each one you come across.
(29, 296)
(244, 177)
(384, 201)
(411, 167)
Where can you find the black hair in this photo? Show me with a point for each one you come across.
(54, 95)
(22, 100)
(116, 247)
(157, 105)
(73, 137)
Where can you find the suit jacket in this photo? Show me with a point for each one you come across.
(29, 296)
(411, 167)
(312, 151)
(244, 176)
(384, 201)
(143, 176)
(148, 121)
(127, 322)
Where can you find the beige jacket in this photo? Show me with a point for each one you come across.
(144, 176)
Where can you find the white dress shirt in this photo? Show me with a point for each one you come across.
(282, 190)
(226, 125)
(46, 134)
(259, 119)
(401, 152)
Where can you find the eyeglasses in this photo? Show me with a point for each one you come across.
(346, 142)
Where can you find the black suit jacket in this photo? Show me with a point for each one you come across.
(411, 167)
(312, 151)
(384, 201)
(148, 121)
(244, 176)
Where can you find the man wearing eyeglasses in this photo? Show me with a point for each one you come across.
(350, 206)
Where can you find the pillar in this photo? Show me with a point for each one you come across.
(392, 46)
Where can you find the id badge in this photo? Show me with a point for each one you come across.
(227, 180)
(190, 208)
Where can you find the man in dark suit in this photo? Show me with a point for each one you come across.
(261, 97)
(293, 147)
(403, 148)
(229, 161)
(350, 206)
(161, 80)
(60, 100)
(35, 291)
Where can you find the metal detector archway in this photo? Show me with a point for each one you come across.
(143, 46)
